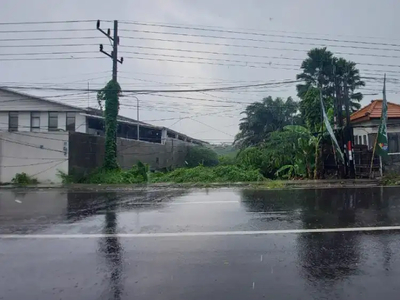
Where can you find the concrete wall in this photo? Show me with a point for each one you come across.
(87, 153)
(40, 155)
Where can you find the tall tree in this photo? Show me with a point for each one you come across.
(321, 69)
(262, 118)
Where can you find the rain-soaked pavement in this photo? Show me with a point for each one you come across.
(200, 244)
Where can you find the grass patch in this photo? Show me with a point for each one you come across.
(203, 174)
(390, 180)
(23, 179)
(137, 174)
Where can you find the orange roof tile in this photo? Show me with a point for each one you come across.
(374, 111)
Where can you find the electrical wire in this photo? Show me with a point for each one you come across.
(148, 91)
(244, 55)
(258, 40)
(51, 38)
(47, 46)
(48, 30)
(49, 22)
(47, 53)
(244, 32)
(51, 58)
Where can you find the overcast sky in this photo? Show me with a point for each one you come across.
(162, 57)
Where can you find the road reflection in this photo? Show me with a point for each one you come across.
(328, 258)
(111, 249)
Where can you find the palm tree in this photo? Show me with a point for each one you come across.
(322, 70)
(262, 118)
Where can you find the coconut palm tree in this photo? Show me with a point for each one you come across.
(262, 118)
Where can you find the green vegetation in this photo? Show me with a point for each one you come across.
(390, 180)
(284, 139)
(199, 155)
(23, 179)
(277, 138)
(110, 94)
(137, 174)
(214, 174)
(263, 118)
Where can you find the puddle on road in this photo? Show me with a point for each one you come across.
(180, 210)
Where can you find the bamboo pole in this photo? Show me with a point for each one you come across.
(373, 154)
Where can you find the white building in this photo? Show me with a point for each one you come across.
(34, 134)
(366, 123)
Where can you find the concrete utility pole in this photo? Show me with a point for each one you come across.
(114, 52)
(349, 133)
(338, 115)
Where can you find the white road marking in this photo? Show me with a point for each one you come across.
(18, 201)
(183, 203)
(272, 270)
(254, 285)
(261, 258)
(194, 234)
(203, 202)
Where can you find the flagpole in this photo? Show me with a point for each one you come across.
(373, 154)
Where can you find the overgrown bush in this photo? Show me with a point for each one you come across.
(203, 174)
(137, 174)
(200, 155)
(23, 179)
(226, 160)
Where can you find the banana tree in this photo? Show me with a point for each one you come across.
(307, 156)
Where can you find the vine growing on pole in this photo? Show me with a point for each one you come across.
(110, 95)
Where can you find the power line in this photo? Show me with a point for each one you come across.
(44, 45)
(47, 30)
(50, 58)
(246, 62)
(252, 30)
(256, 40)
(211, 63)
(46, 53)
(251, 33)
(256, 56)
(147, 91)
(49, 22)
(50, 38)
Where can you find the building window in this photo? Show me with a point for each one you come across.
(13, 121)
(394, 142)
(360, 140)
(53, 121)
(70, 125)
(365, 140)
(355, 139)
(35, 121)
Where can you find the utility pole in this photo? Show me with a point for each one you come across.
(338, 122)
(111, 96)
(349, 132)
(114, 52)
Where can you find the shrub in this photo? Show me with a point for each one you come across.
(137, 174)
(214, 174)
(23, 179)
(252, 157)
(200, 155)
(226, 160)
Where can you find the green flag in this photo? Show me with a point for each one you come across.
(382, 147)
(329, 129)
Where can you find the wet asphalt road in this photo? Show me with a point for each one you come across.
(96, 262)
